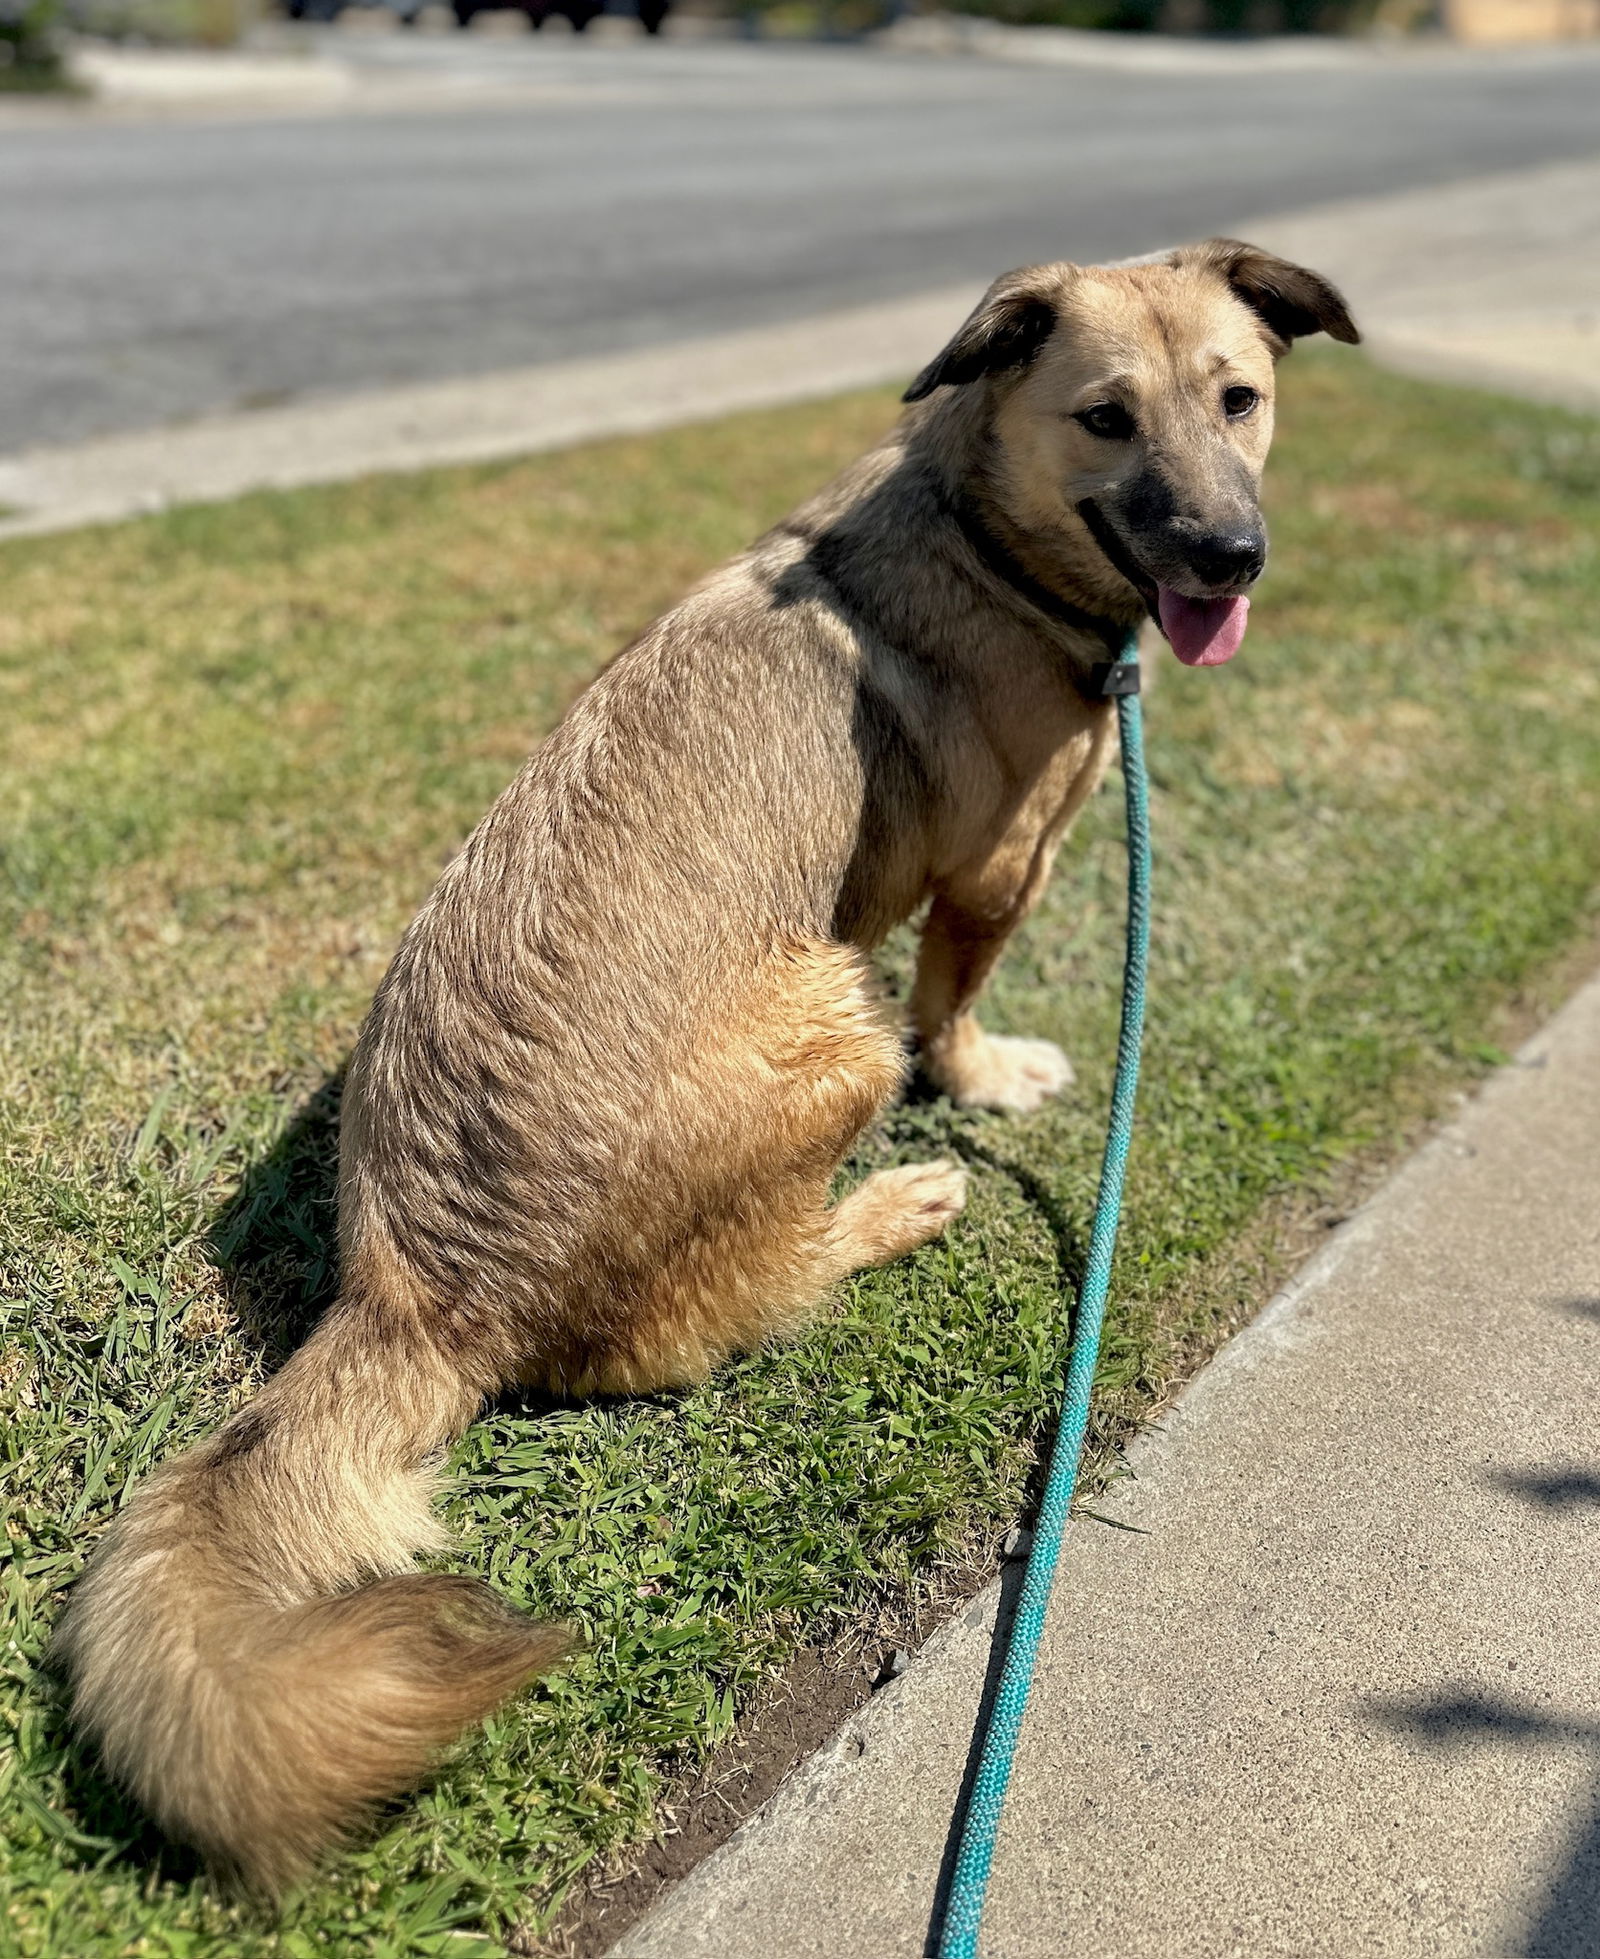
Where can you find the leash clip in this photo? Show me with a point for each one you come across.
(1109, 678)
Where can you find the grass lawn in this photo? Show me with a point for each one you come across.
(237, 744)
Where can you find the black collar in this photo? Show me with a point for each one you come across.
(995, 558)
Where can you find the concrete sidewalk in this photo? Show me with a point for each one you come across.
(1326, 1680)
(1494, 282)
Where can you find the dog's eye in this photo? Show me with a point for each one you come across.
(1107, 420)
(1237, 402)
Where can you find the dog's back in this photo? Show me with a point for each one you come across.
(590, 1030)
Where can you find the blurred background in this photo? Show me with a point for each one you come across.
(225, 206)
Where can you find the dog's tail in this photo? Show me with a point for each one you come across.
(236, 1679)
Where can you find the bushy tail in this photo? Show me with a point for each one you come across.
(254, 1701)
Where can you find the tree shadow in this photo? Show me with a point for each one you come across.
(1567, 1925)
(1566, 1921)
(1561, 1489)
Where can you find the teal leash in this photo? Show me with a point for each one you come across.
(980, 1826)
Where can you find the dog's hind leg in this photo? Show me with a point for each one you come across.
(832, 1016)
(720, 1239)
(896, 1210)
(892, 1213)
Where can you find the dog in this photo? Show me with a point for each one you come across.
(592, 1119)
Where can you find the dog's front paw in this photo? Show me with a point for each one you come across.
(1001, 1071)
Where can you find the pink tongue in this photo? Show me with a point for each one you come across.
(1203, 632)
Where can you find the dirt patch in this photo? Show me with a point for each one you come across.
(807, 1703)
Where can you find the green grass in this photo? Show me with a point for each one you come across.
(237, 744)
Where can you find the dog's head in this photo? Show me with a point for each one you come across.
(1129, 416)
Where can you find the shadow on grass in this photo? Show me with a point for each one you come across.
(924, 1115)
(1066, 1233)
(107, 1816)
(276, 1241)
(108, 1829)
(277, 1246)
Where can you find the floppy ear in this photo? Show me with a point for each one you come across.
(1290, 300)
(1010, 324)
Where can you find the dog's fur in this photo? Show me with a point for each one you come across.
(591, 1120)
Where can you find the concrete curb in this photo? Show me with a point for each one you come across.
(1177, 54)
(1556, 362)
(1493, 282)
(481, 419)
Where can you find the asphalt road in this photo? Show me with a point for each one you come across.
(643, 193)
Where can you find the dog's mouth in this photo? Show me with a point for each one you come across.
(1202, 632)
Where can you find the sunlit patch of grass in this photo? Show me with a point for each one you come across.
(237, 744)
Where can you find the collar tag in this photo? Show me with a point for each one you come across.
(1109, 678)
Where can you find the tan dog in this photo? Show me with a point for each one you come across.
(592, 1118)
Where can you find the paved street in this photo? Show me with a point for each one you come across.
(637, 194)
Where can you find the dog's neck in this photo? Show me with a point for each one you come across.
(979, 531)
(1039, 576)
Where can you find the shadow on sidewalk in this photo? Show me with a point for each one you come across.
(1567, 1921)
(1559, 1489)
(1567, 1925)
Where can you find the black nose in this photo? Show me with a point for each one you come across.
(1228, 557)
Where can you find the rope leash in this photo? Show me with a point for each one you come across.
(981, 1825)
